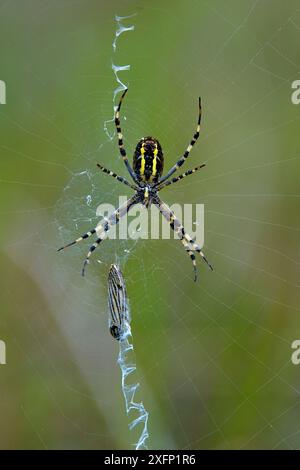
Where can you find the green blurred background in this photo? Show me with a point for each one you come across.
(214, 358)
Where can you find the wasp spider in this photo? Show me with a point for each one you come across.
(146, 173)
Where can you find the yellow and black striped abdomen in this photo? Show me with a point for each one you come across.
(148, 160)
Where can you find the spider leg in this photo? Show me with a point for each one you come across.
(103, 228)
(83, 237)
(198, 249)
(120, 138)
(192, 256)
(187, 152)
(180, 177)
(188, 243)
(117, 177)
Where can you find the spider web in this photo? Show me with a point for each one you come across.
(213, 357)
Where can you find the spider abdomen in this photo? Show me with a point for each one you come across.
(148, 160)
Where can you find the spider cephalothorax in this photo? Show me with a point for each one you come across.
(148, 160)
(148, 163)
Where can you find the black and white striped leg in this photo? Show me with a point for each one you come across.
(180, 177)
(197, 248)
(117, 177)
(188, 243)
(192, 256)
(187, 152)
(104, 227)
(120, 138)
(83, 237)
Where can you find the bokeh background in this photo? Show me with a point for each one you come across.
(213, 358)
